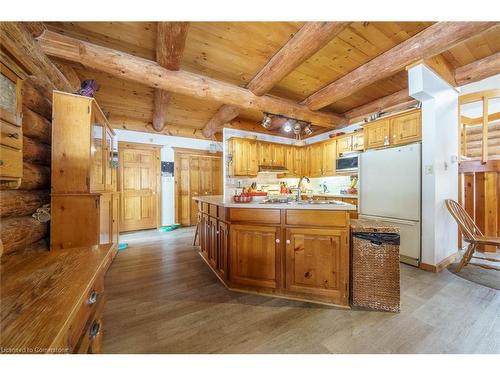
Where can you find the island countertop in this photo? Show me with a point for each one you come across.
(219, 200)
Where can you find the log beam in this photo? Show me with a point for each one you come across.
(306, 42)
(225, 114)
(36, 101)
(36, 152)
(478, 70)
(36, 126)
(394, 101)
(35, 177)
(429, 42)
(170, 43)
(125, 66)
(20, 232)
(19, 42)
(22, 202)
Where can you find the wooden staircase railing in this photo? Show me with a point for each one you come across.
(480, 136)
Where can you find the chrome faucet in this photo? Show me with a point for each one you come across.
(298, 186)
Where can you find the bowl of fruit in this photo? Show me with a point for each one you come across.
(242, 198)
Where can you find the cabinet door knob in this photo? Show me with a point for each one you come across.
(92, 298)
(14, 135)
(94, 329)
(288, 242)
(278, 240)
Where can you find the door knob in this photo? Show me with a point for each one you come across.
(288, 242)
(278, 240)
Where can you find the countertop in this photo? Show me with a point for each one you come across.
(220, 201)
(41, 291)
(333, 195)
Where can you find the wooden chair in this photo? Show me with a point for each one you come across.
(472, 235)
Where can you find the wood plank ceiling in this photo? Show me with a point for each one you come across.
(234, 52)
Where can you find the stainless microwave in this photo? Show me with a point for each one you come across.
(347, 163)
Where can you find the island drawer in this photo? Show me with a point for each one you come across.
(317, 218)
(252, 215)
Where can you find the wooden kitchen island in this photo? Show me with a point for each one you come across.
(290, 250)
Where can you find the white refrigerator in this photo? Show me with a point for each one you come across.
(390, 191)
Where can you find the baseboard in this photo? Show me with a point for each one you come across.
(441, 265)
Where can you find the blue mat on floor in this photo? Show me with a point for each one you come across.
(169, 228)
(122, 246)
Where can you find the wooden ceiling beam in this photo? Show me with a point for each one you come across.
(170, 43)
(392, 102)
(430, 42)
(18, 41)
(147, 72)
(478, 70)
(311, 37)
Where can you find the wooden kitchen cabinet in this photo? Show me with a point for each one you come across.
(245, 157)
(222, 248)
(329, 155)
(377, 134)
(393, 130)
(317, 262)
(358, 143)
(254, 255)
(278, 152)
(212, 242)
(344, 144)
(265, 151)
(406, 128)
(316, 160)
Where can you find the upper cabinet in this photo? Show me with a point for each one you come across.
(84, 154)
(11, 138)
(377, 134)
(406, 128)
(395, 130)
(350, 142)
(329, 155)
(245, 157)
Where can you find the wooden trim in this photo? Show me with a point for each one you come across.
(140, 146)
(441, 265)
(478, 96)
(182, 150)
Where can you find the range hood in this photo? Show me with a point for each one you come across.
(272, 169)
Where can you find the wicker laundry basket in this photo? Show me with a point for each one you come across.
(375, 265)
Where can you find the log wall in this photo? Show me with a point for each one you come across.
(480, 195)
(19, 230)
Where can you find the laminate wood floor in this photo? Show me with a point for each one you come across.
(162, 298)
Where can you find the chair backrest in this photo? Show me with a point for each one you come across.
(464, 221)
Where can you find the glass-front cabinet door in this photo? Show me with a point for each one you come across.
(108, 152)
(97, 168)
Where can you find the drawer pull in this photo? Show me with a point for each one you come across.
(92, 298)
(14, 135)
(94, 329)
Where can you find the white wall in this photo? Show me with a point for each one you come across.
(167, 154)
(439, 161)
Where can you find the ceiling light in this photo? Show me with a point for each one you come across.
(266, 121)
(297, 129)
(288, 126)
(308, 130)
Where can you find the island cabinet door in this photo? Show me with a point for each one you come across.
(254, 255)
(222, 247)
(212, 242)
(204, 230)
(317, 263)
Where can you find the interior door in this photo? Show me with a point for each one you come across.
(184, 197)
(194, 186)
(139, 167)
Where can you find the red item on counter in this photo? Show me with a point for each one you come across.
(258, 193)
